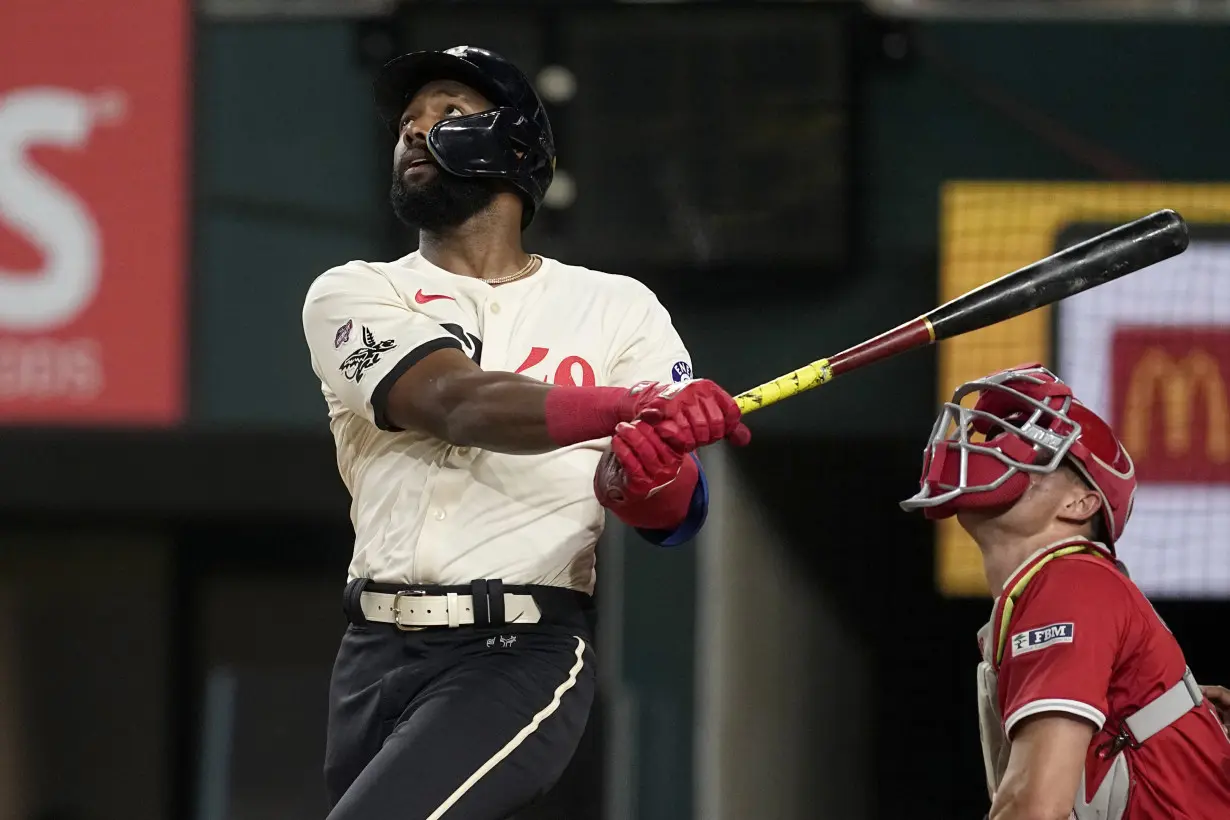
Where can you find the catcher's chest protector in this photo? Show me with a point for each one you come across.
(1110, 800)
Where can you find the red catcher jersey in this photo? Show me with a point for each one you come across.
(1083, 639)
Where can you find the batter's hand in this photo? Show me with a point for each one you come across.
(692, 414)
(638, 466)
(1219, 696)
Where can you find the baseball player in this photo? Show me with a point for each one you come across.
(1087, 708)
(487, 404)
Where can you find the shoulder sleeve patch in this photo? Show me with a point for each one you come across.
(1033, 640)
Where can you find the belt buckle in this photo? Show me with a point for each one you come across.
(397, 596)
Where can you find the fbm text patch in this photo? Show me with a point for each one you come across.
(1034, 639)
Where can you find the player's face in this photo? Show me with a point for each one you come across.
(423, 195)
(1047, 500)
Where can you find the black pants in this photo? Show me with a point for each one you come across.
(467, 723)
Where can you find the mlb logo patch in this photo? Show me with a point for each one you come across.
(681, 372)
(1042, 637)
(343, 334)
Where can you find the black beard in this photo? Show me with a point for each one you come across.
(440, 203)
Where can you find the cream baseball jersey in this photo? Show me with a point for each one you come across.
(429, 513)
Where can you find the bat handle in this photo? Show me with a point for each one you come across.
(783, 387)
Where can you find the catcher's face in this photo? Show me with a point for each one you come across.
(1056, 503)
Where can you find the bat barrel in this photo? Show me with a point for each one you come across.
(1108, 256)
(1116, 253)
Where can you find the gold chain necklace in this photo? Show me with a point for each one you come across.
(525, 271)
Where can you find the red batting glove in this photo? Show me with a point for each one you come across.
(647, 463)
(694, 414)
(643, 480)
(686, 416)
(577, 414)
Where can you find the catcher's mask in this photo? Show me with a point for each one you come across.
(1024, 420)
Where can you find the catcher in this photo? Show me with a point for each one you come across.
(1086, 705)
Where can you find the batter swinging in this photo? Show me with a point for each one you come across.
(487, 404)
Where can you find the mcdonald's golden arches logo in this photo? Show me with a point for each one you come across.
(1171, 405)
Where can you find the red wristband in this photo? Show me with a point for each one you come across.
(665, 509)
(577, 414)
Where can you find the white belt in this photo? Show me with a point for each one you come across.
(415, 610)
(1164, 710)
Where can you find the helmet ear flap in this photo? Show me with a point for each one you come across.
(1105, 464)
(500, 145)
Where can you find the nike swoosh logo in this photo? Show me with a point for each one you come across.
(424, 298)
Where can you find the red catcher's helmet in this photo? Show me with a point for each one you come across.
(1026, 421)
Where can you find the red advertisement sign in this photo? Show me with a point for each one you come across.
(93, 118)
(1170, 402)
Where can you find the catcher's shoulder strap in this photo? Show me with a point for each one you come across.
(1001, 616)
(1163, 710)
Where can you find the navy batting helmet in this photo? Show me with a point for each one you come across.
(512, 141)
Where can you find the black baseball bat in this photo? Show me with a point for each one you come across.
(1104, 258)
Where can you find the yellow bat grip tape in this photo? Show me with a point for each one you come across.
(783, 387)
